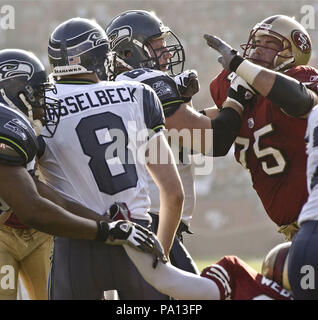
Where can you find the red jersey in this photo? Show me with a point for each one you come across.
(238, 281)
(271, 146)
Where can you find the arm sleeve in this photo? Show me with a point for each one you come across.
(173, 281)
(292, 96)
(226, 127)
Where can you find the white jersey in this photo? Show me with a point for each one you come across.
(310, 208)
(92, 158)
(167, 91)
(186, 175)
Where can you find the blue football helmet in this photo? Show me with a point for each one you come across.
(24, 87)
(78, 46)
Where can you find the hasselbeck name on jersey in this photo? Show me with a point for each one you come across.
(82, 101)
(100, 129)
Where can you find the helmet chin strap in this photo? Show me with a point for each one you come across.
(282, 65)
(36, 124)
(8, 101)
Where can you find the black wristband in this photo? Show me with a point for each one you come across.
(203, 112)
(102, 230)
(235, 62)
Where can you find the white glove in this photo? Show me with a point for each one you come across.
(126, 232)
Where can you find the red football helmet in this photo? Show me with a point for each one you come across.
(296, 43)
(275, 265)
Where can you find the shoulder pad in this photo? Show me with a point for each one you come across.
(305, 74)
(16, 133)
(164, 86)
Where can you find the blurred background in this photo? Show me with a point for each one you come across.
(229, 218)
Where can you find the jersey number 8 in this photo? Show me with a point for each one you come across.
(112, 174)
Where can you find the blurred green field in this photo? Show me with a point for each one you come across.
(255, 263)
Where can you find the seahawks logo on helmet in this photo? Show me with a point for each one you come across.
(96, 38)
(119, 35)
(14, 68)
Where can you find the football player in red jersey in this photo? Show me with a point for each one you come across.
(230, 278)
(283, 90)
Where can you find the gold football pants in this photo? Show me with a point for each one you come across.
(25, 253)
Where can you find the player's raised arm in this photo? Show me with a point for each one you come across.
(290, 94)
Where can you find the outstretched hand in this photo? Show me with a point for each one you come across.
(226, 51)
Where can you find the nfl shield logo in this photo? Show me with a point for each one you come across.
(250, 123)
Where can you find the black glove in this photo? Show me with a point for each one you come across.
(188, 84)
(230, 58)
(239, 91)
(126, 232)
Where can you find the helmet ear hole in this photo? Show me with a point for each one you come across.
(127, 54)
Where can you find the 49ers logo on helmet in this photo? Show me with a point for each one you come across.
(301, 41)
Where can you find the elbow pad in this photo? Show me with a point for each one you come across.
(226, 127)
(291, 96)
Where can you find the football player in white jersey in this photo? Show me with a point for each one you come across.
(98, 157)
(148, 50)
(24, 250)
(303, 260)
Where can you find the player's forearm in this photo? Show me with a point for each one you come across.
(47, 217)
(211, 112)
(171, 205)
(71, 206)
(173, 281)
(288, 93)
(186, 120)
(226, 127)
